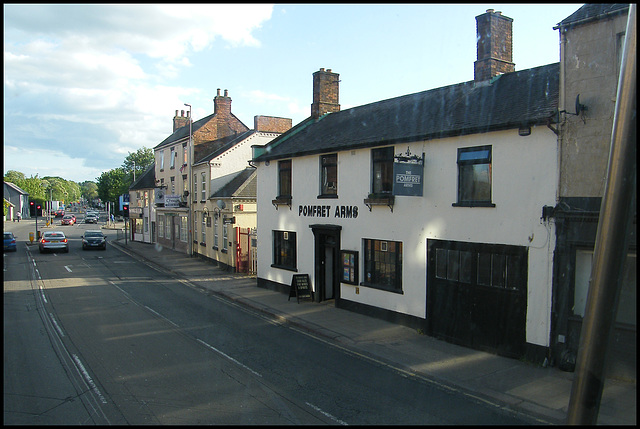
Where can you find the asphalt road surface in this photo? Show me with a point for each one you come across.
(99, 337)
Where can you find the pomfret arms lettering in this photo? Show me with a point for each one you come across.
(345, 212)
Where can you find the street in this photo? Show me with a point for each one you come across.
(99, 337)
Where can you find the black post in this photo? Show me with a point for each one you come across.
(612, 240)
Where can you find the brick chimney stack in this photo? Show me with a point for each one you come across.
(495, 45)
(180, 121)
(222, 104)
(325, 93)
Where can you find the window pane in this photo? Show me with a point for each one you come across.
(329, 174)
(383, 267)
(382, 180)
(284, 178)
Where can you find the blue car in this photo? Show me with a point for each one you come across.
(10, 242)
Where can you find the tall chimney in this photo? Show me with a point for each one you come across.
(222, 104)
(495, 45)
(325, 93)
(180, 121)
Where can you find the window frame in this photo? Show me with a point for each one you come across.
(284, 250)
(172, 160)
(285, 169)
(203, 191)
(375, 270)
(161, 160)
(467, 170)
(328, 170)
(382, 159)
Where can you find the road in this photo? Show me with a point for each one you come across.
(99, 337)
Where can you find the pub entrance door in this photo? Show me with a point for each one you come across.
(327, 253)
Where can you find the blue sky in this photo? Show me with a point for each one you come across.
(84, 85)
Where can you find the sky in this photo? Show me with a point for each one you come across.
(86, 85)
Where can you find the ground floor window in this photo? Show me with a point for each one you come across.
(183, 228)
(383, 264)
(284, 249)
(160, 226)
(627, 301)
(167, 226)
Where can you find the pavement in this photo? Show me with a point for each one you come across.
(542, 392)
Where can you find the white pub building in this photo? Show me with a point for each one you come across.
(429, 209)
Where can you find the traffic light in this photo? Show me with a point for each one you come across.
(125, 210)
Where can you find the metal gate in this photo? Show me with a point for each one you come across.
(246, 250)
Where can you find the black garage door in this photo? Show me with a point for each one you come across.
(477, 295)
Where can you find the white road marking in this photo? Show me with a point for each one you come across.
(88, 379)
(327, 414)
(160, 315)
(230, 358)
(68, 269)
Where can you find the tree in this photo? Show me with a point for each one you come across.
(14, 177)
(111, 184)
(89, 190)
(142, 159)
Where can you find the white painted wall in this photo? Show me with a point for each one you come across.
(524, 179)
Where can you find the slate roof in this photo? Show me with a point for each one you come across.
(505, 102)
(592, 12)
(12, 186)
(241, 184)
(146, 180)
(182, 133)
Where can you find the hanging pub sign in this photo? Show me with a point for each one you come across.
(407, 174)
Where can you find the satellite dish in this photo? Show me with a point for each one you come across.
(220, 204)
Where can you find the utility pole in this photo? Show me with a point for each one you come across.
(612, 240)
(190, 187)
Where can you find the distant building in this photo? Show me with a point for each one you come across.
(18, 198)
(142, 213)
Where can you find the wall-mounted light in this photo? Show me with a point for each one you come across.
(524, 131)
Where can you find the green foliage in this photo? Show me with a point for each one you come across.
(110, 185)
(142, 159)
(6, 206)
(113, 183)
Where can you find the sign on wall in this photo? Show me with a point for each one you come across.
(407, 174)
(172, 201)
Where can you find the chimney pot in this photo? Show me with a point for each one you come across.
(176, 112)
(325, 93)
(182, 113)
(489, 10)
(218, 92)
(226, 93)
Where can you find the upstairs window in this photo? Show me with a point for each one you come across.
(284, 179)
(161, 160)
(204, 187)
(474, 176)
(184, 154)
(173, 158)
(382, 171)
(329, 175)
(195, 187)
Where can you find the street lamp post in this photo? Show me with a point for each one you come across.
(189, 185)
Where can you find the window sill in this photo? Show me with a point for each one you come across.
(283, 267)
(382, 287)
(282, 200)
(214, 248)
(380, 201)
(203, 244)
(474, 204)
(327, 196)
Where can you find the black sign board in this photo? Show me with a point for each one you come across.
(300, 287)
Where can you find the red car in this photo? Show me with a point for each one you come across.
(68, 220)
